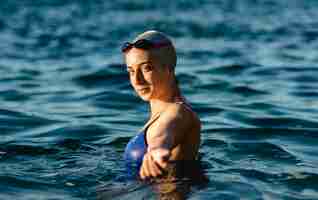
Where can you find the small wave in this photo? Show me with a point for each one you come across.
(12, 150)
(245, 90)
(104, 77)
(14, 95)
(14, 121)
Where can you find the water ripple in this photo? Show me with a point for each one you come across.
(68, 110)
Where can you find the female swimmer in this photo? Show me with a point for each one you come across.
(172, 132)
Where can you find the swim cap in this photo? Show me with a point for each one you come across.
(167, 54)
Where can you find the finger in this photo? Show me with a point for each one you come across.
(154, 168)
(161, 153)
(151, 167)
(143, 172)
(161, 157)
(146, 169)
(161, 163)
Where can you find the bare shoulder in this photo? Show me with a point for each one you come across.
(184, 113)
(178, 116)
(172, 127)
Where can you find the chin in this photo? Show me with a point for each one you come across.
(145, 97)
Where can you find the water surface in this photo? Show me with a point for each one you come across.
(67, 109)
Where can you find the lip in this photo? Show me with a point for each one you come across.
(142, 89)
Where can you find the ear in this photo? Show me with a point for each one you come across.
(170, 70)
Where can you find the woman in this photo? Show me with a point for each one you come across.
(173, 130)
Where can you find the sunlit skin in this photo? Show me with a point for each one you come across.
(150, 82)
(155, 83)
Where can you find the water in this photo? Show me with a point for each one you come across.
(67, 109)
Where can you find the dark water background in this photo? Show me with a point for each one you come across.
(67, 110)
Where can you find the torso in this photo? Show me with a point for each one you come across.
(186, 150)
(137, 147)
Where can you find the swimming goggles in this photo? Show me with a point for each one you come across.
(143, 44)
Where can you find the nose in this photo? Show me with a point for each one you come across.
(139, 77)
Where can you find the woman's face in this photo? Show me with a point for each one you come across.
(147, 76)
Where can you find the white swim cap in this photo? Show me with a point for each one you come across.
(167, 53)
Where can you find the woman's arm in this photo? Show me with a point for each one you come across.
(162, 137)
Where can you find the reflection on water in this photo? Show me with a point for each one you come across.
(67, 110)
(180, 179)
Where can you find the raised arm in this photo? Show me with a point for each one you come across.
(163, 137)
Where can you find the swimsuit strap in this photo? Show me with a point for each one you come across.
(179, 100)
(151, 121)
(182, 100)
(146, 126)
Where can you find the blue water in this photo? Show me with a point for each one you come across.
(249, 68)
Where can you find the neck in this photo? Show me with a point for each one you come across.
(159, 104)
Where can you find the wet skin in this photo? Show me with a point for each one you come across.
(175, 135)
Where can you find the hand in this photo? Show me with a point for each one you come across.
(154, 163)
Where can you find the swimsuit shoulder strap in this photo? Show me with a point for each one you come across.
(146, 126)
(151, 121)
(182, 100)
